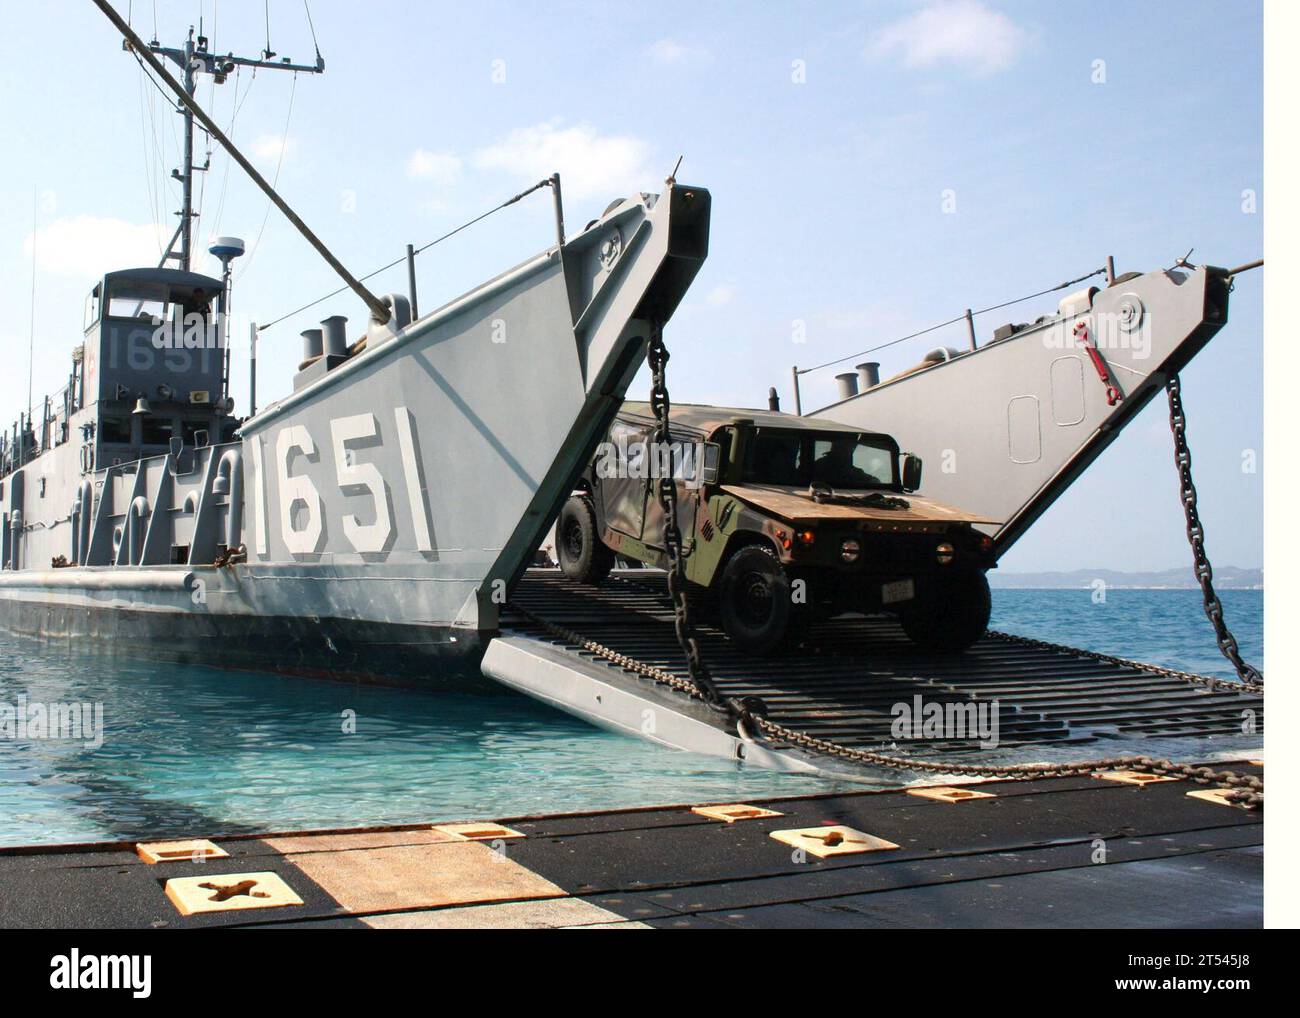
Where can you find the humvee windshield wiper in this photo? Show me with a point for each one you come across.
(823, 494)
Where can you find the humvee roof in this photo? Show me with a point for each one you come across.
(701, 417)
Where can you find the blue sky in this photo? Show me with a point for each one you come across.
(827, 133)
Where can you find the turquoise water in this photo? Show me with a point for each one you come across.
(194, 751)
(1164, 627)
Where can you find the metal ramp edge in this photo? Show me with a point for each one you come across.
(623, 703)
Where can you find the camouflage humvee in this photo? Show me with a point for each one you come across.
(788, 519)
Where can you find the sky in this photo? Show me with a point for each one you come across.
(875, 167)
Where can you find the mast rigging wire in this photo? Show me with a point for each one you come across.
(31, 328)
(307, 7)
(275, 180)
(951, 321)
(398, 261)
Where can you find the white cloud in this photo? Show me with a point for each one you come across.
(589, 163)
(963, 33)
(270, 146)
(670, 51)
(721, 295)
(442, 168)
(85, 247)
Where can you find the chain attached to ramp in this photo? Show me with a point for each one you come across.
(1252, 677)
(1208, 681)
(666, 494)
(750, 713)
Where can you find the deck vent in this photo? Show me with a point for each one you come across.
(946, 794)
(1133, 777)
(1218, 796)
(195, 850)
(828, 841)
(735, 811)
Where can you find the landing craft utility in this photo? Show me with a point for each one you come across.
(367, 524)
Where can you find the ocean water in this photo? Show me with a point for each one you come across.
(191, 751)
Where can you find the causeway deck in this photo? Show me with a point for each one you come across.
(1063, 852)
(1081, 851)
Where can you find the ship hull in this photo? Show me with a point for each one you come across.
(149, 626)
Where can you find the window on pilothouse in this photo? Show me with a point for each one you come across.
(142, 301)
(156, 431)
(115, 429)
(190, 430)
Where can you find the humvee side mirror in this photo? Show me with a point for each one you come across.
(911, 471)
(711, 463)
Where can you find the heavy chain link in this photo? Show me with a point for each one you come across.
(1208, 681)
(666, 494)
(1196, 537)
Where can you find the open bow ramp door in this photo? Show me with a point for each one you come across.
(844, 685)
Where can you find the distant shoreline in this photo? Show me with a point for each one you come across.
(1113, 586)
(1178, 578)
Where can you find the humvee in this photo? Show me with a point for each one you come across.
(787, 520)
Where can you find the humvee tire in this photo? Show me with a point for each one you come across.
(754, 601)
(583, 556)
(956, 618)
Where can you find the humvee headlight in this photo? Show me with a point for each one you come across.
(944, 554)
(850, 550)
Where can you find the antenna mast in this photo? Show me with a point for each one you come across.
(379, 311)
(193, 59)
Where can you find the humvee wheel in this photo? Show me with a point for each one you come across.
(956, 618)
(754, 601)
(583, 556)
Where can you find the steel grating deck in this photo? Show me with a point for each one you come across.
(844, 681)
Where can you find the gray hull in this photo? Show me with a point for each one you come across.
(347, 650)
(386, 507)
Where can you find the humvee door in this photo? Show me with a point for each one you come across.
(623, 498)
(686, 452)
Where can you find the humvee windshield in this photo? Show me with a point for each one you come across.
(799, 458)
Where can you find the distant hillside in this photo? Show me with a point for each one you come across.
(1225, 578)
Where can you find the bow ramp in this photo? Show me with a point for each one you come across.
(609, 654)
(492, 401)
(1005, 428)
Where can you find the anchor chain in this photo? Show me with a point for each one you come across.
(1196, 538)
(666, 494)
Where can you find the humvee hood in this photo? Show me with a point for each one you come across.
(795, 505)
